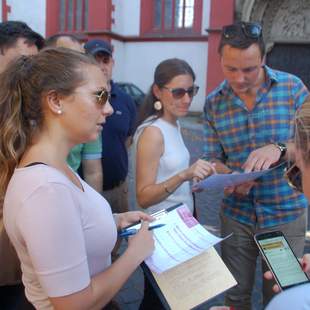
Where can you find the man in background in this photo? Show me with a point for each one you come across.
(64, 40)
(86, 156)
(16, 39)
(117, 131)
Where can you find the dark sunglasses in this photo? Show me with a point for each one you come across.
(102, 96)
(178, 93)
(250, 30)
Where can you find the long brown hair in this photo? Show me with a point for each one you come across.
(23, 85)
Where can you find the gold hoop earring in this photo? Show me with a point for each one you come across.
(158, 105)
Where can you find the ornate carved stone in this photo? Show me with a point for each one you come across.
(283, 20)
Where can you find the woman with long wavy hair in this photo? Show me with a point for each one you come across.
(63, 230)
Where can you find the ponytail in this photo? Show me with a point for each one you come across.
(15, 130)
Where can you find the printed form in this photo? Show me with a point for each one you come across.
(181, 239)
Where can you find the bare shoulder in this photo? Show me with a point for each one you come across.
(151, 134)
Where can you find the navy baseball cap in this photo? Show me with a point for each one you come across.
(94, 46)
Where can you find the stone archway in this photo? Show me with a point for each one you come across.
(284, 21)
(286, 30)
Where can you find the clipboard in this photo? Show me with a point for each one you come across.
(148, 273)
(192, 282)
(157, 215)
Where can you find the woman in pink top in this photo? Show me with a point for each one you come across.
(62, 229)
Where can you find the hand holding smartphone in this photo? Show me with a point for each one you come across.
(280, 259)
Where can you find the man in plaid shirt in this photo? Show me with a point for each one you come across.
(249, 124)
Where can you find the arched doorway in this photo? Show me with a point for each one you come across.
(293, 58)
(286, 26)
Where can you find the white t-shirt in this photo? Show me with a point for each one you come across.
(296, 298)
(63, 235)
(174, 159)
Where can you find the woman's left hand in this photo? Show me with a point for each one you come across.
(127, 218)
(305, 264)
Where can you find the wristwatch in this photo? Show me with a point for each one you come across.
(282, 147)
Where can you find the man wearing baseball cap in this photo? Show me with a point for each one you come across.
(117, 131)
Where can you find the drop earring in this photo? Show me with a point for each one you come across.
(158, 105)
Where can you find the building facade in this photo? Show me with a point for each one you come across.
(142, 32)
(145, 32)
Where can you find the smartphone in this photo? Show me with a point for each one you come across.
(280, 259)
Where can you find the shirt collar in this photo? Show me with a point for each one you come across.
(271, 77)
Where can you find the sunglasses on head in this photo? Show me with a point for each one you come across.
(102, 96)
(250, 30)
(178, 93)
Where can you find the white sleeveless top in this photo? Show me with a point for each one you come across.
(174, 159)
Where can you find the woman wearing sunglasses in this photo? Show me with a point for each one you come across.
(62, 229)
(162, 159)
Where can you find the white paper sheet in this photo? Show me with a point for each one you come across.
(220, 181)
(179, 240)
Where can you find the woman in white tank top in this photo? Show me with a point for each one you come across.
(162, 159)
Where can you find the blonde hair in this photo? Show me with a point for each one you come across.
(302, 131)
(23, 84)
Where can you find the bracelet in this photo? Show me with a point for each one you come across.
(167, 190)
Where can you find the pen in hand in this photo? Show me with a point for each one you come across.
(133, 231)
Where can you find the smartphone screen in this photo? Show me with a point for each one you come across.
(281, 259)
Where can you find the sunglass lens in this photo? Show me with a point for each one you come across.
(178, 93)
(192, 91)
(103, 97)
(229, 32)
(253, 30)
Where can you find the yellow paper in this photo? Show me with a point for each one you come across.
(195, 281)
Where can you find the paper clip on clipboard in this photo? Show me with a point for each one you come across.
(157, 215)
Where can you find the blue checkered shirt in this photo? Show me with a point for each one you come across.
(232, 133)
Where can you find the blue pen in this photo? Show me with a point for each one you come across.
(133, 231)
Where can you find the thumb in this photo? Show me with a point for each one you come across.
(144, 225)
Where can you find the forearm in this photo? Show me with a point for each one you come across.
(290, 152)
(102, 287)
(106, 285)
(155, 193)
